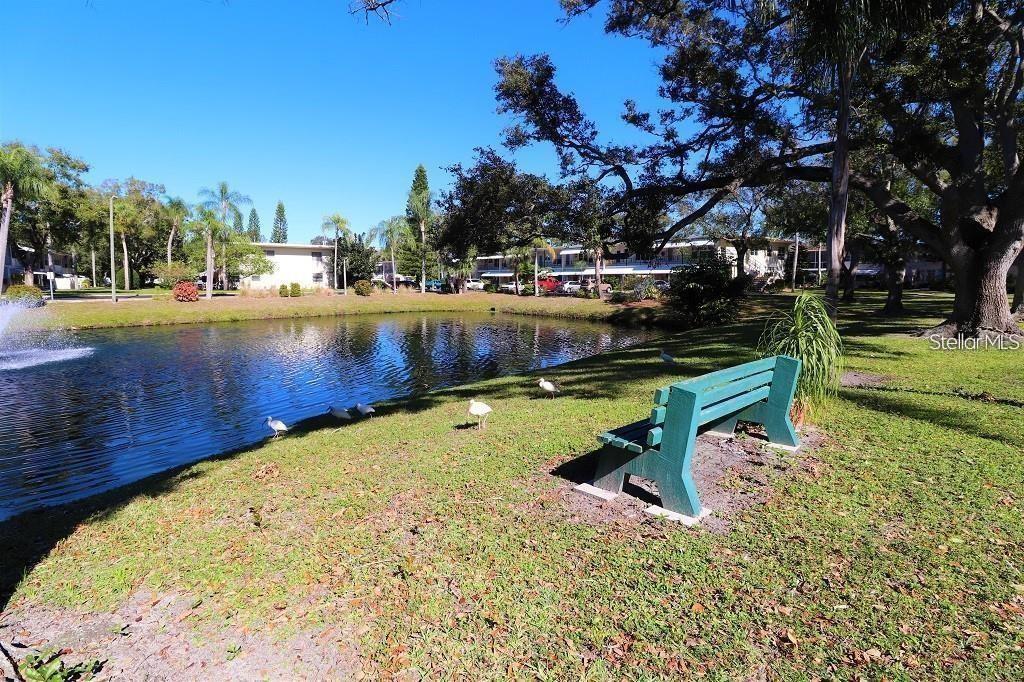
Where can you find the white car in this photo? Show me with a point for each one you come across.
(474, 284)
(511, 287)
(571, 287)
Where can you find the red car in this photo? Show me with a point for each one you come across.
(548, 284)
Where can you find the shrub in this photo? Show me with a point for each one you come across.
(186, 292)
(296, 290)
(491, 288)
(622, 297)
(25, 295)
(646, 291)
(282, 291)
(363, 287)
(171, 273)
(807, 334)
(528, 290)
(703, 292)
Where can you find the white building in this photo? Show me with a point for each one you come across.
(572, 262)
(64, 274)
(302, 263)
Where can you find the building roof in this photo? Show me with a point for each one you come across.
(311, 247)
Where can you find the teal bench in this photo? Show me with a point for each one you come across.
(661, 448)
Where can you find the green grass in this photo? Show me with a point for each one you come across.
(895, 553)
(161, 311)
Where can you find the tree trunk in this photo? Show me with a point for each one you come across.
(741, 257)
(1017, 307)
(536, 276)
(209, 261)
(598, 257)
(423, 257)
(170, 240)
(5, 226)
(224, 266)
(92, 253)
(127, 270)
(849, 278)
(840, 188)
(334, 283)
(394, 273)
(895, 273)
(980, 306)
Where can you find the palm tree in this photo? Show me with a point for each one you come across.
(835, 34)
(178, 211)
(225, 201)
(392, 233)
(339, 226)
(22, 176)
(539, 244)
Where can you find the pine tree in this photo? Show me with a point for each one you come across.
(418, 215)
(237, 224)
(254, 226)
(279, 235)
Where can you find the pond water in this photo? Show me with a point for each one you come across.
(109, 407)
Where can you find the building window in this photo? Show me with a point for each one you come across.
(255, 278)
(318, 256)
(318, 277)
(269, 253)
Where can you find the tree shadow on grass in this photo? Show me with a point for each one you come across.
(911, 408)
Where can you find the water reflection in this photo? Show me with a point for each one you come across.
(145, 400)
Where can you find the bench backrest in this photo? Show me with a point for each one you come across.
(719, 394)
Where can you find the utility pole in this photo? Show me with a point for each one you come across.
(344, 275)
(335, 282)
(796, 257)
(113, 263)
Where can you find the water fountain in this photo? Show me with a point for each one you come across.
(20, 350)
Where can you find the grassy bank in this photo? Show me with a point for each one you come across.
(144, 312)
(894, 552)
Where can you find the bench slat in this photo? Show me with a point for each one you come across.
(716, 394)
(654, 436)
(661, 395)
(658, 416)
(727, 407)
(729, 374)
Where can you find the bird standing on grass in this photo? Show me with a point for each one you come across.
(339, 412)
(364, 410)
(276, 425)
(480, 411)
(665, 357)
(548, 387)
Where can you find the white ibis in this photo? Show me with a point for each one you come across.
(339, 412)
(364, 410)
(480, 411)
(665, 357)
(548, 387)
(276, 425)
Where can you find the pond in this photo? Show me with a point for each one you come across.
(109, 407)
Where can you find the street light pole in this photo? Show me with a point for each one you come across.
(344, 275)
(335, 258)
(113, 266)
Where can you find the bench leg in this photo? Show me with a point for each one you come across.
(777, 424)
(726, 427)
(611, 468)
(679, 492)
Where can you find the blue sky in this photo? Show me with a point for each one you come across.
(297, 101)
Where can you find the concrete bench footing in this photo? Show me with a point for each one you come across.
(661, 512)
(594, 491)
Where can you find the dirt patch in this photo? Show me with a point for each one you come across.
(151, 638)
(855, 379)
(732, 474)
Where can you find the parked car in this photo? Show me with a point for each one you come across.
(510, 287)
(475, 284)
(548, 283)
(434, 285)
(570, 288)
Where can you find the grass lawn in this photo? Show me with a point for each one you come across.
(145, 312)
(894, 552)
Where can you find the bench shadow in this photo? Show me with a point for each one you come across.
(581, 470)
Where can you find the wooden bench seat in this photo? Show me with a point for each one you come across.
(661, 448)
